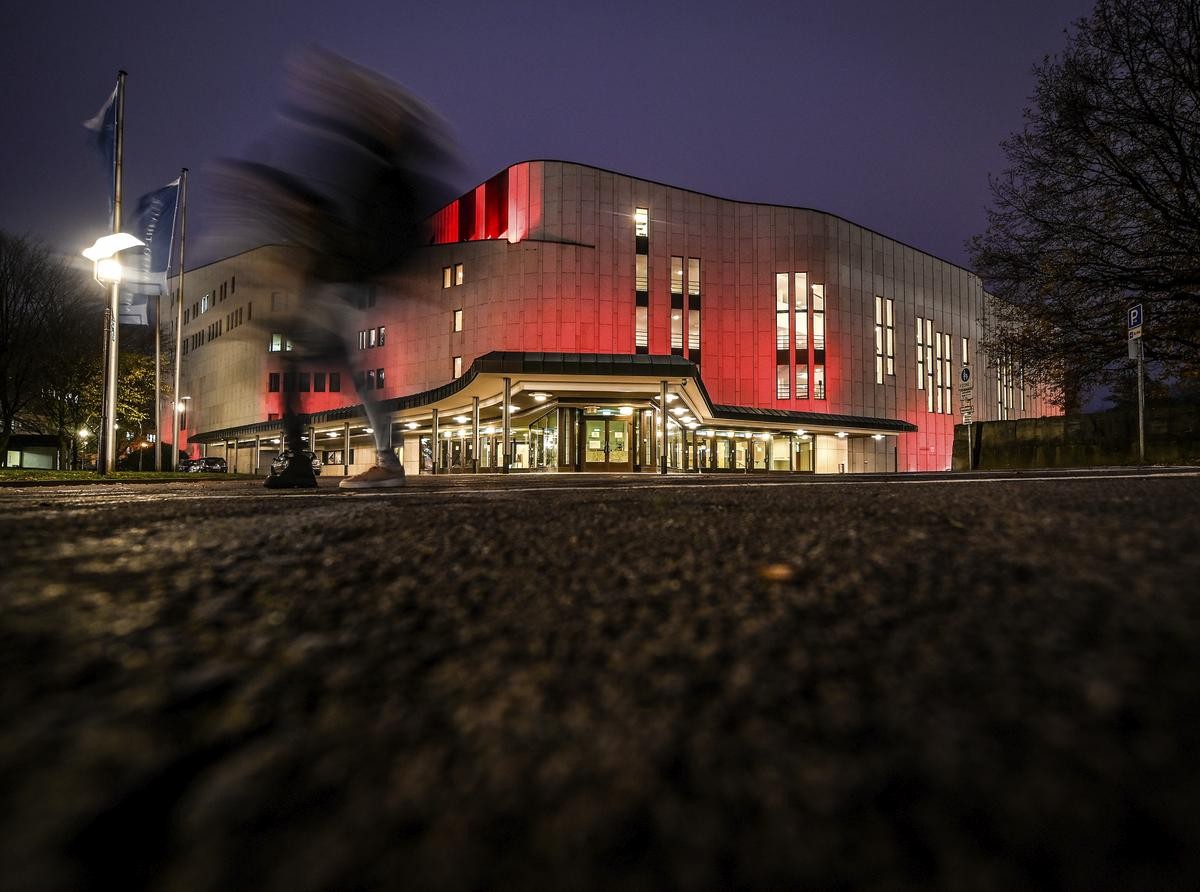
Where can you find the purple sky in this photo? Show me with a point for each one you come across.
(887, 113)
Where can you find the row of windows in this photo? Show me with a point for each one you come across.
(371, 379)
(933, 367)
(303, 382)
(278, 343)
(372, 337)
(210, 299)
(795, 317)
(1010, 388)
(683, 318)
(234, 319)
(452, 275)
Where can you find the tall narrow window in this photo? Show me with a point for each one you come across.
(782, 332)
(458, 367)
(458, 320)
(693, 288)
(318, 382)
(641, 280)
(818, 305)
(890, 336)
(929, 371)
(379, 378)
(818, 338)
(370, 379)
(947, 376)
(304, 380)
(938, 371)
(966, 356)
(273, 382)
(458, 274)
(447, 277)
(878, 339)
(335, 382)
(382, 334)
(920, 353)
(677, 306)
(800, 299)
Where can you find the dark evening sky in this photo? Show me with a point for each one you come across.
(889, 114)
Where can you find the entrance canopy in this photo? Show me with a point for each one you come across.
(536, 379)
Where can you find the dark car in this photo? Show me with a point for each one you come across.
(185, 464)
(212, 464)
(280, 462)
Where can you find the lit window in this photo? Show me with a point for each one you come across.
(781, 291)
(966, 356)
(382, 334)
(447, 277)
(641, 273)
(818, 327)
(694, 276)
(372, 337)
(204, 304)
(938, 371)
(458, 320)
(920, 353)
(458, 367)
(783, 375)
(641, 222)
(641, 333)
(276, 343)
(891, 336)
(929, 372)
(781, 330)
(878, 340)
(458, 274)
(802, 381)
(370, 379)
(676, 275)
(677, 332)
(694, 334)
(362, 340)
(819, 381)
(947, 377)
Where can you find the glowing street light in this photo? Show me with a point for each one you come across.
(107, 271)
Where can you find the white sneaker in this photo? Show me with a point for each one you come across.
(376, 477)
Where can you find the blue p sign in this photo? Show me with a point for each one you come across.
(1135, 316)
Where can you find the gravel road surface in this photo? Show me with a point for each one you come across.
(603, 683)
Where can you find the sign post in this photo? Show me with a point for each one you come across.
(1136, 351)
(966, 392)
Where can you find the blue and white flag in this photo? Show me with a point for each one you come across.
(104, 138)
(154, 224)
(133, 308)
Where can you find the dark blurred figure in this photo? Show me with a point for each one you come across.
(357, 170)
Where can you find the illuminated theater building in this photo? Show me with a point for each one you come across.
(594, 321)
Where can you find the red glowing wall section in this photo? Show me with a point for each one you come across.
(489, 211)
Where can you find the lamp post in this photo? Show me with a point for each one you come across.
(107, 271)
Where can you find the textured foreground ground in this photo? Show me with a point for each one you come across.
(985, 685)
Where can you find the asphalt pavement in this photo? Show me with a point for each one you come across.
(567, 682)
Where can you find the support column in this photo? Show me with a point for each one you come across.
(257, 454)
(770, 443)
(345, 448)
(475, 432)
(437, 446)
(662, 434)
(504, 413)
(792, 453)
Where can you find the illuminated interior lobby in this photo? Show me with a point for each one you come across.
(599, 322)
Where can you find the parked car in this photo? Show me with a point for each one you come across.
(212, 464)
(185, 464)
(280, 462)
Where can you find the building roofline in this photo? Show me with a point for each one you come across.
(789, 207)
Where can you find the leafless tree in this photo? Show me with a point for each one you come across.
(1100, 208)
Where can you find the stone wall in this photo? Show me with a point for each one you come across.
(1102, 438)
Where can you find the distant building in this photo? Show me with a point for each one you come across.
(776, 338)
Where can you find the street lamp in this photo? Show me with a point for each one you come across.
(107, 271)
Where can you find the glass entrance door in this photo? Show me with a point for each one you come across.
(606, 445)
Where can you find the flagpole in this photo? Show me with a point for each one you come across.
(109, 463)
(157, 384)
(182, 211)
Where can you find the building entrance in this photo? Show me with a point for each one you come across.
(606, 444)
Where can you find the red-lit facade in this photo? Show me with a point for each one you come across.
(789, 310)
